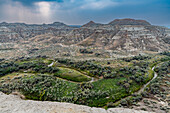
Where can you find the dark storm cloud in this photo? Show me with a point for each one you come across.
(30, 2)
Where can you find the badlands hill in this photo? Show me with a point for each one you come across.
(119, 38)
(120, 34)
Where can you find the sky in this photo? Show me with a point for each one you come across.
(79, 12)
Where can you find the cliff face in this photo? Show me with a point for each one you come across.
(120, 34)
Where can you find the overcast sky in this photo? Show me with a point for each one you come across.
(78, 12)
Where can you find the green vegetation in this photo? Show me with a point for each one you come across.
(163, 70)
(40, 82)
(71, 74)
(32, 67)
(5, 49)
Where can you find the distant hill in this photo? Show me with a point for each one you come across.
(129, 21)
(120, 34)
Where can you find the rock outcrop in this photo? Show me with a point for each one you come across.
(14, 104)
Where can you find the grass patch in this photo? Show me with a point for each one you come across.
(110, 86)
(72, 75)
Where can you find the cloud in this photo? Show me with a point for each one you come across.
(44, 8)
(98, 4)
(82, 11)
(17, 12)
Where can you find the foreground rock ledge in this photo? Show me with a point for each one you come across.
(14, 104)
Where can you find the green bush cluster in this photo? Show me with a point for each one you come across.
(165, 53)
(162, 71)
(45, 87)
(88, 66)
(7, 68)
(39, 67)
(97, 70)
(139, 57)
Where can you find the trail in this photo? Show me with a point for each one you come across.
(51, 64)
(92, 78)
(142, 89)
(144, 86)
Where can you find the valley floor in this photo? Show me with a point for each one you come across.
(123, 85)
